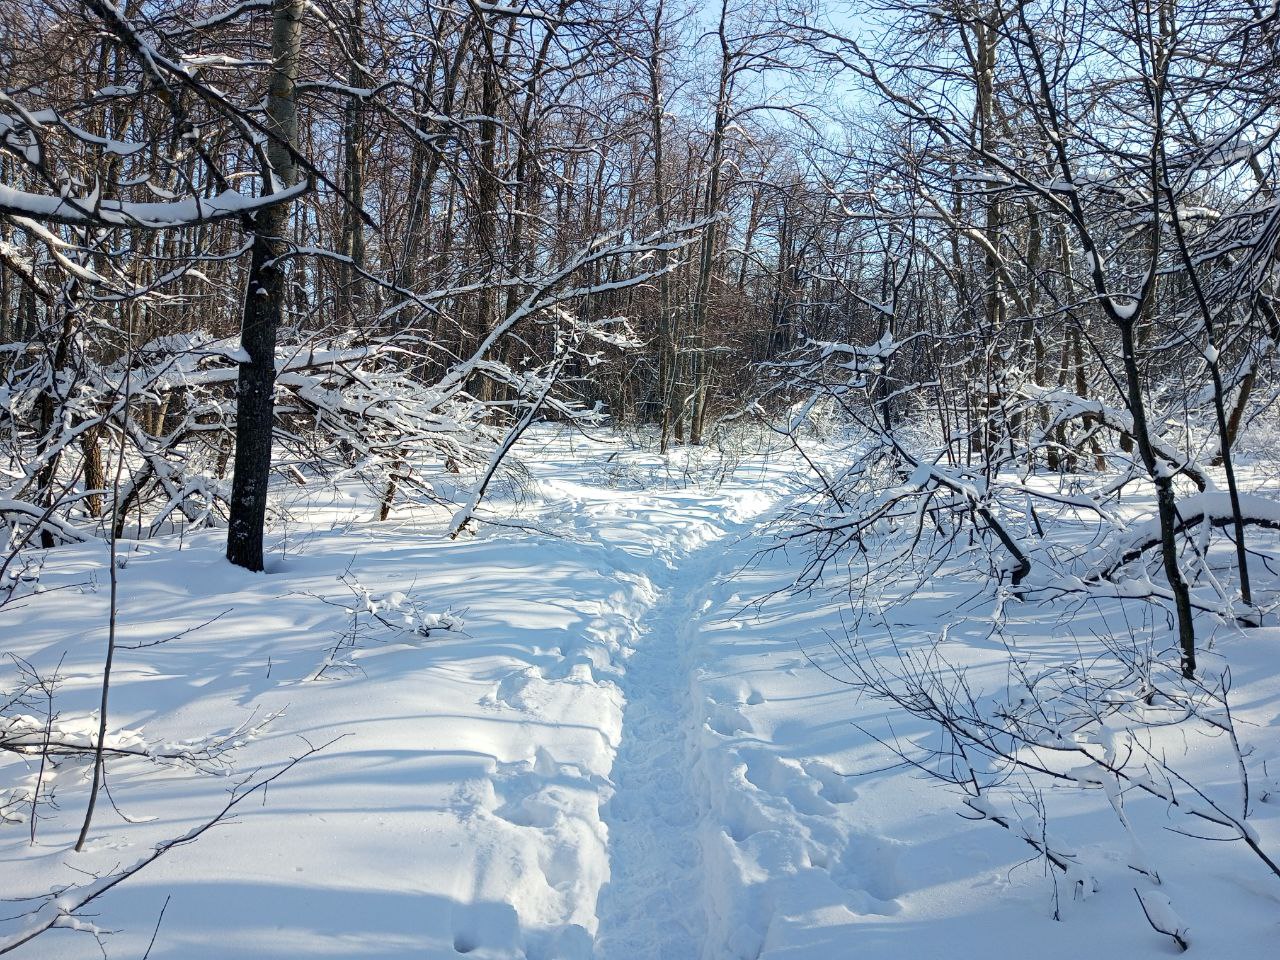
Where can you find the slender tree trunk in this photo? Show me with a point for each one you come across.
(706, 261)
(95, 477)
(1161, 474)
(50, 403)
(488, 188)
(1219, 398)
(667, 400)
(351, 270)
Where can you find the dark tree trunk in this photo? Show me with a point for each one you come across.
(1161, 474)
(263, 300)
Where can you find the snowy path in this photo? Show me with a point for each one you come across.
(668, 548)
(654, 907)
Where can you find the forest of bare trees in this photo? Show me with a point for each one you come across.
(433, 218)
(414, 223)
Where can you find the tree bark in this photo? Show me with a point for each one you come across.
(263, 300)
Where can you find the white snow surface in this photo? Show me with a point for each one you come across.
(616, 749)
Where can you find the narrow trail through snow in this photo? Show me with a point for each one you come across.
(655, 905)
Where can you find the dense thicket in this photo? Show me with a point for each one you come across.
(1075, 216)
(1043, 235)
(434, 216)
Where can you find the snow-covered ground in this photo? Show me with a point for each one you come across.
(581, 733)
